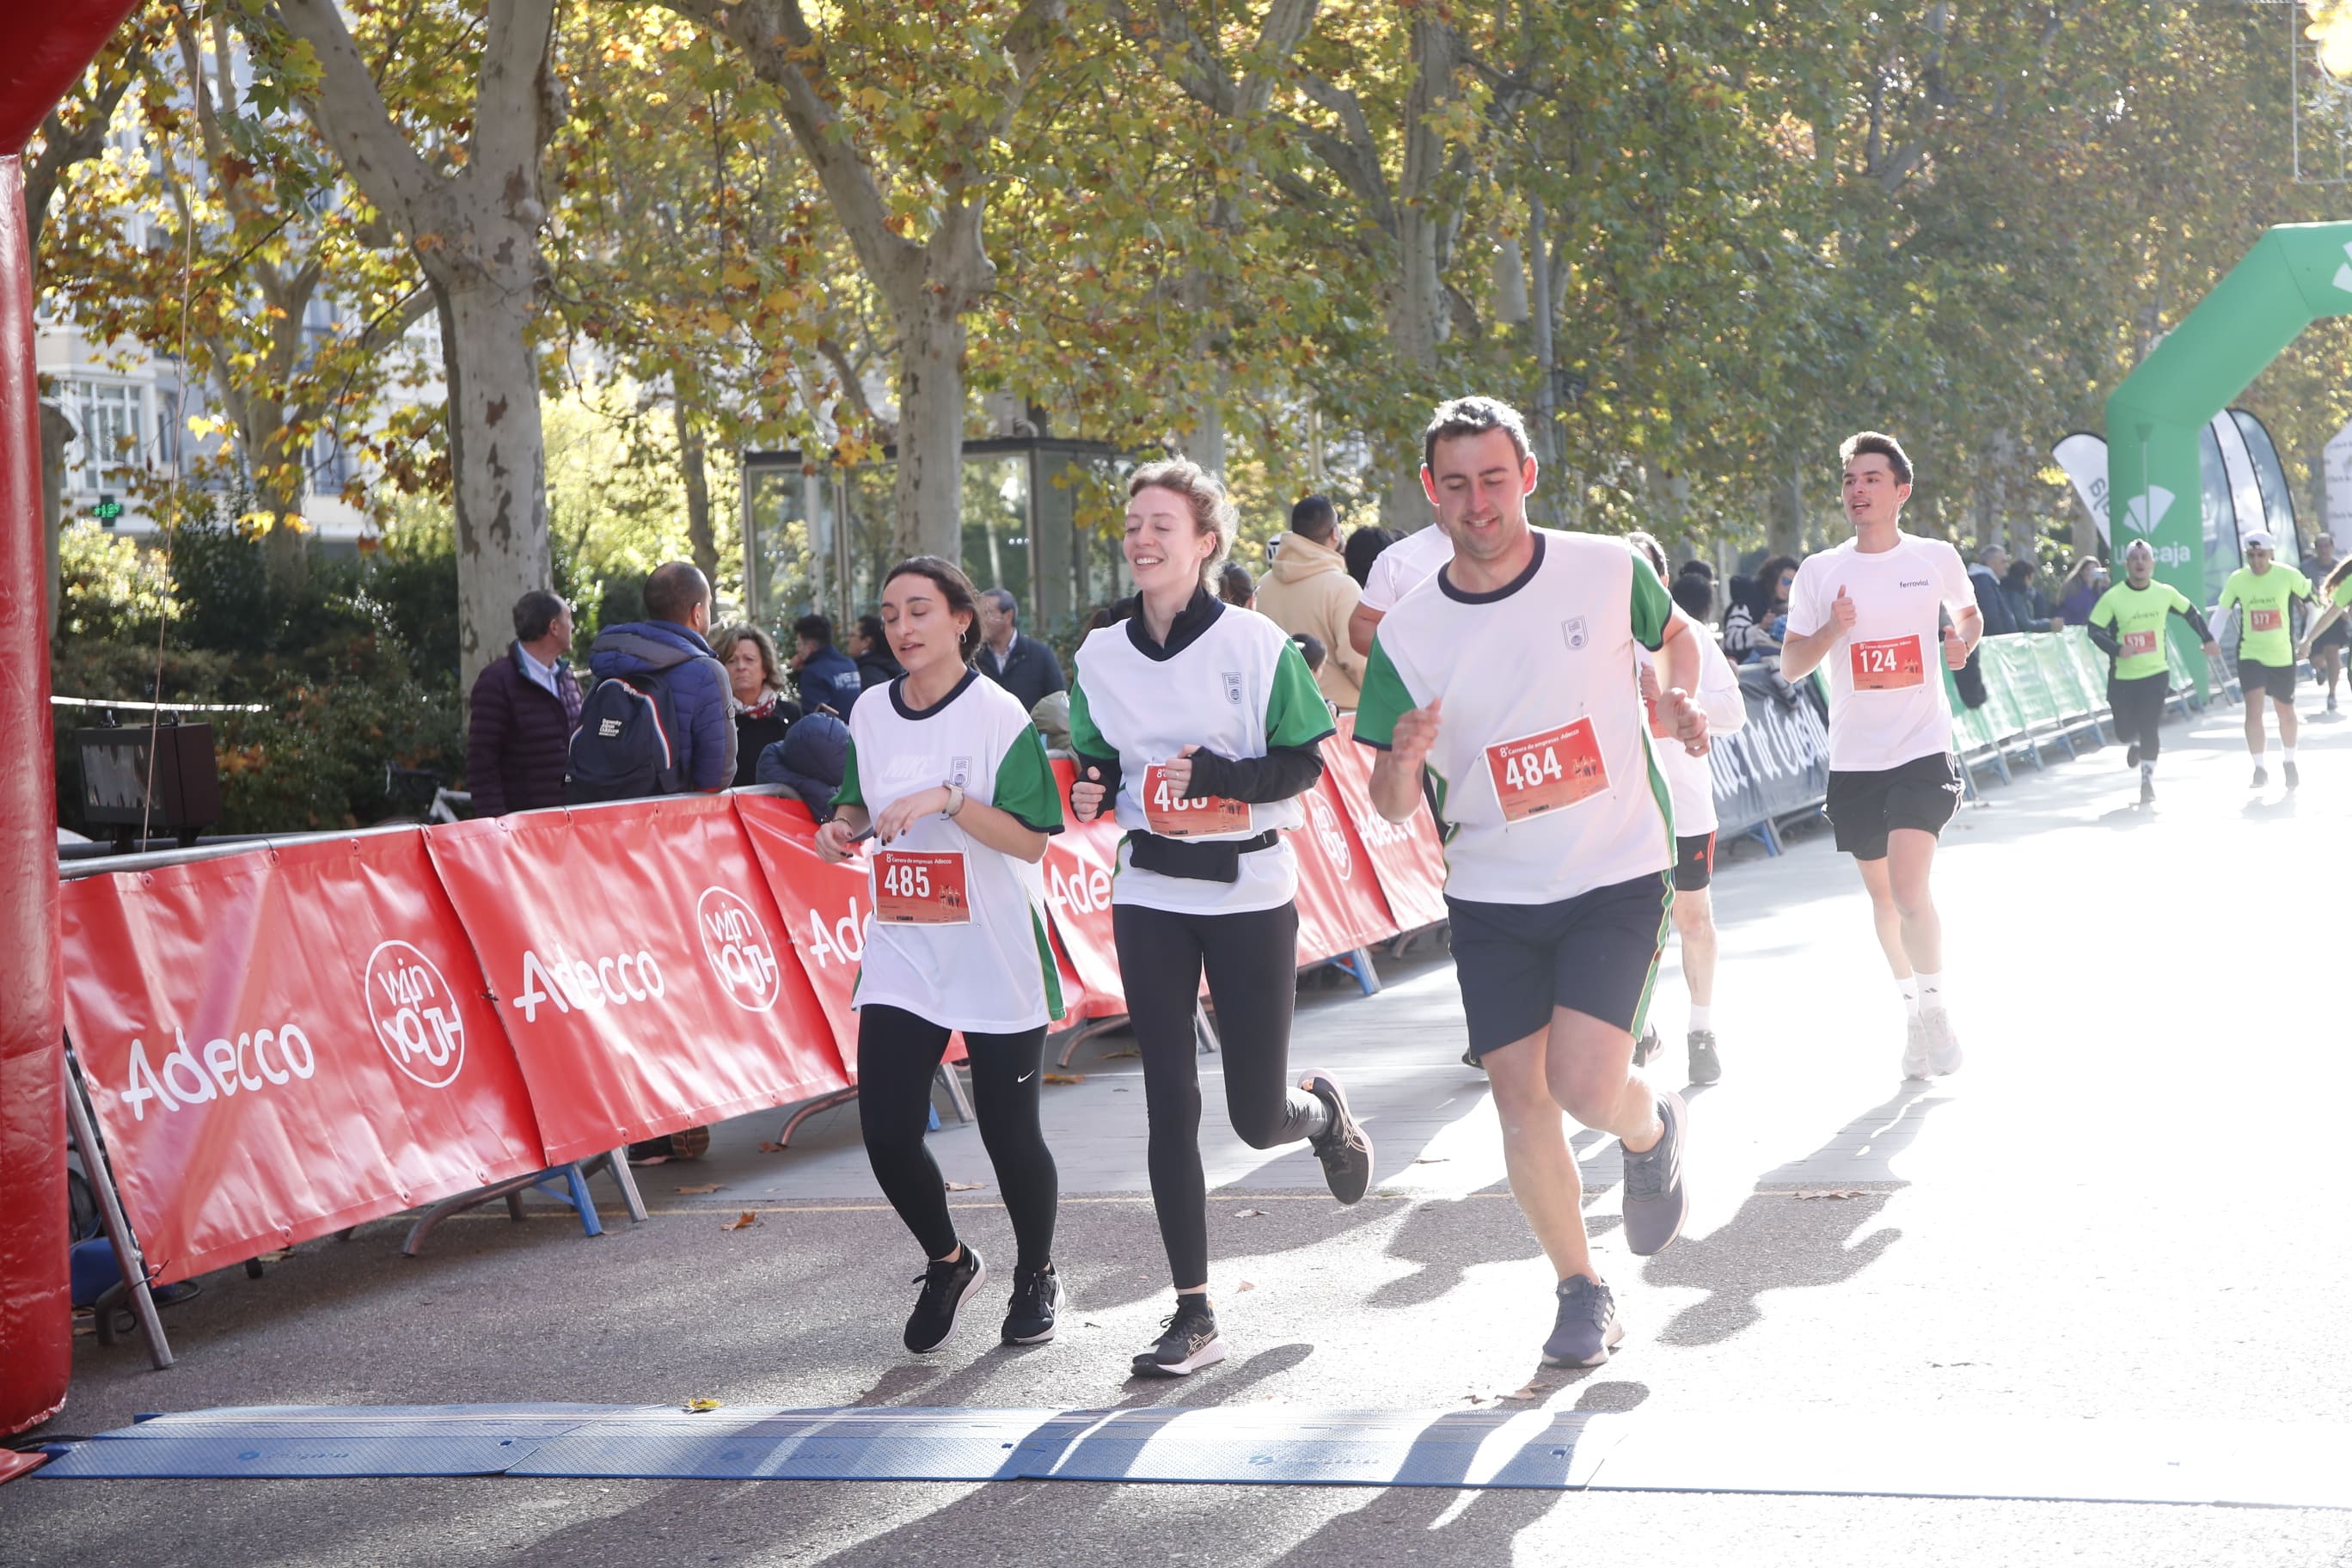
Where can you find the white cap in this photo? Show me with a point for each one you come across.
(2258, 539)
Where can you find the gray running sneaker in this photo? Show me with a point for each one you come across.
(1705, 1066)
(1656, 1203)
(2262, 776)
(1586, 1329)
(2287, 771)
(1943, 1041)
(1915, 1049)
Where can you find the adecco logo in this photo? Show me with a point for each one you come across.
(1085, 889)
(1333, 835)
(416, 1014)
(184, 1081)
(1379, 832)
(738, 949)
(842, 943)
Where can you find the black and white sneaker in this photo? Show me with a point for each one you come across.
(1036, 1301)
(946, 1288)
(1647, 1047)
(1346, 1152)
(1189, 1343)
(1705, 1066)
(1586, 1328)
(2286, 772)
(2146, 790)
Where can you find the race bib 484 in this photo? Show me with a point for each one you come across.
(1547, 772)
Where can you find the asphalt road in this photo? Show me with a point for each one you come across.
(2129, 1207)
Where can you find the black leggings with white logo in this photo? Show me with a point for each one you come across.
(897, 1053)
(1252, 963)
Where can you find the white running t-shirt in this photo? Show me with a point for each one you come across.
(1887, 704)
(1546, 783)
(992, 972)
(1237, 686)
(1691, 779)
(1404, 566)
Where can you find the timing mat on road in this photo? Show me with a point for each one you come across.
(1855, 1453)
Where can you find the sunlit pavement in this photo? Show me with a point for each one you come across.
(2128, 1205)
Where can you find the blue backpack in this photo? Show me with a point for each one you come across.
(626, 745)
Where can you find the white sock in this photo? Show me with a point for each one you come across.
(1909, 986)
(1931, 991)
(2286, 754)
(1702, 1015)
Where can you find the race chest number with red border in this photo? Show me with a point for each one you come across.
(2132, 644)
(920, 887)
(2265, 620)
(1889, 664)
(1171, 816)
(1543, 773)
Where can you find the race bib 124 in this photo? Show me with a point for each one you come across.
(1889, 664)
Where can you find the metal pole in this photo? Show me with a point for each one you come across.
(109, 1207)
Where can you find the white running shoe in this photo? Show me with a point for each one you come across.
(1915, 1050)
(1943, 1041)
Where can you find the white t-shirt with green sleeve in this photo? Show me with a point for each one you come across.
(994, 973)
(1229, 680)
(1546, 783)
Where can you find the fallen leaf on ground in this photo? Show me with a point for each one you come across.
(1529, 1392)
(965, 1186)
(278, 1257)
(704, 1187)
(1831, 1192)
(1065, 1077)
(744, 1221)
(1244, 1285)
(1249, 1213)
(697, 1406)
(772, 1148)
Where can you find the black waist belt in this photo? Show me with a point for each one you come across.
(1217, 861)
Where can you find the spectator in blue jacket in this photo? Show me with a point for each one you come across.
(828, 677)
(669, 639)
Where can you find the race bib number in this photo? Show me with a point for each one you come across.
(1171, 816)
(2134, 643)
(921, 889)
(1890, 664)
(1548, 772)
(2265, 620)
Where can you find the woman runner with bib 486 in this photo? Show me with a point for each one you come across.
(1201, 723)
(953, 780)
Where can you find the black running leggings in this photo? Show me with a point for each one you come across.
(897, 1053)
(1252, 962)
(2138, 708)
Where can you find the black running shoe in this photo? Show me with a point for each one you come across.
(1346, 1152)
(1705, 1066)
(1036, 1300)
(946, 1288)
(2286, 772)
(2262, 776)
(1189, 1343)
(1646, 1048)
(1586, 1327)
(1656, 1203)
(2131, 755)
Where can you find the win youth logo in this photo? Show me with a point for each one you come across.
(416, 1014)
(739, 951)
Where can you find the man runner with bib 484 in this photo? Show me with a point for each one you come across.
(1870, 609)
(1509, 677)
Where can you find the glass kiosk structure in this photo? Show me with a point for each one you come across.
(1039, 517)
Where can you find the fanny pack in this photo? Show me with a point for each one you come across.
(1218, 861)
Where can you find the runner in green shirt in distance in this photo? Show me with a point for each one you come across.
(2128, 624)
(2264, 594)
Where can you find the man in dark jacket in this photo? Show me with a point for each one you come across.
(1985, 578)
(1010, 657)
(525, 706)
(677, 611)
(828, 677)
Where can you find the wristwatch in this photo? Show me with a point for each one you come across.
(955, 800)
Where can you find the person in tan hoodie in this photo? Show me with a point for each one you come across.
(1308, 589)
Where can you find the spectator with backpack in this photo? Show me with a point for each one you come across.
(659, 720)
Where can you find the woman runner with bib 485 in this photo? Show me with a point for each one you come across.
(953, 780)
(1201, 722)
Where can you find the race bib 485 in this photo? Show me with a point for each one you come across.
(917, 888)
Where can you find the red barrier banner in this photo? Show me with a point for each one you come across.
(1405, 856)
(641, 967)
(1079, 863)
(1340, 904)
(284, 1042)
(825, 907)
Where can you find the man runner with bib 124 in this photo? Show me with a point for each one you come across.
(1509, 677)
(1876, 610)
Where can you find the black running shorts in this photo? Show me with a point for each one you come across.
(2274, 680)
(2337, 634)
(1694, 862)
(1596, 953)
(1864, 808)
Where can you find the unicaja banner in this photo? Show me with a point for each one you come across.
(282, 1044)
(639, 965)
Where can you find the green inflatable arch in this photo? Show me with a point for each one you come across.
(2294, 275)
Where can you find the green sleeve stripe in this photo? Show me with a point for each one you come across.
(1296, 714)
(1384, 699)
(1025, 786)
(1653, 606)
(850, 793)
(1085, 738)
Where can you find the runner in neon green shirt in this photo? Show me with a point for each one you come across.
(2129, 624)
(2336, 594)
(2264, 594)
